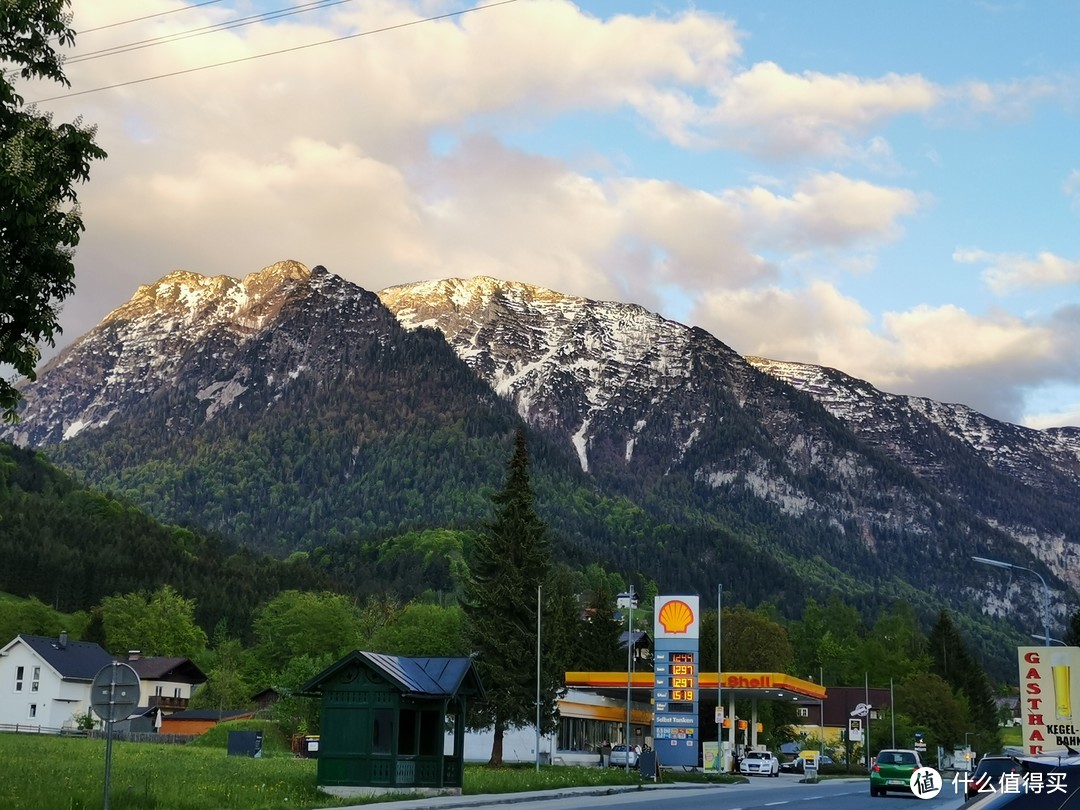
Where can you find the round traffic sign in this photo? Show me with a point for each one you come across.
(114, 693)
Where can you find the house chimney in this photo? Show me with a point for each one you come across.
(63, 639)
(134, 655)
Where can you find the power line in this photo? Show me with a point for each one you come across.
(240, 22)
(274, 53)
(148, 16)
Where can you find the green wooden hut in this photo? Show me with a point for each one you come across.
(384, 723)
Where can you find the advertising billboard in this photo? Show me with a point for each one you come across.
(1049, 688)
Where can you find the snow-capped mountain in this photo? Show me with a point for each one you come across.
(1021, 480)
(212, 339)
(293, 406)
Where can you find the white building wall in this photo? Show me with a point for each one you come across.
(149, 689)
(519, 745)
(51, 705)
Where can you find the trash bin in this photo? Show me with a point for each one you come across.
(311, 746)
(245, 743)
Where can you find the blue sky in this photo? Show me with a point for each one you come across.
(888, 188)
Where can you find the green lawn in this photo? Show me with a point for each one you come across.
(1011, 735)
(67, 773)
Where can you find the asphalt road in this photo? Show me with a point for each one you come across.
(761, 793)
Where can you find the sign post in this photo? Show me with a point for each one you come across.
(676, 627)
(862, 711)
(114, 694)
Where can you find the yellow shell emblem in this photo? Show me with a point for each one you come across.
(676, 616)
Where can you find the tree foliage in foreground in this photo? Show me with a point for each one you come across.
(40, 165)
(511, 560)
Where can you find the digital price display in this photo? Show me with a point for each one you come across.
(681, 681)
(675, 685)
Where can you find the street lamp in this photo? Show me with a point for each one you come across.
(629, 671)
(1046, 590)
(1053, 640)
(719, 673)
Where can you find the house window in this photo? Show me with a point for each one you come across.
(36, 679)
(33, 711)
(178, 692)
(159, 690)
(18, 679)
(804, 712)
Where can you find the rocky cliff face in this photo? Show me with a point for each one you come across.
(878, 496)
(1020, 480)
(618, 381)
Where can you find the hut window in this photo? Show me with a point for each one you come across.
(382, 731)
(407, 735)
(431, 734)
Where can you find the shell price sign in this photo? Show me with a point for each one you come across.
(1049, 691)
(675, 666)
(676, 617)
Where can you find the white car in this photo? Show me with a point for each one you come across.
(619, 755)
(762, 763)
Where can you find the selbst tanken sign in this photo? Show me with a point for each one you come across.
(1049, 690)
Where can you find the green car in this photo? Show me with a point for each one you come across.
(892, 771)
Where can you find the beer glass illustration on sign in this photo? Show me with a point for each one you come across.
(1059, 668)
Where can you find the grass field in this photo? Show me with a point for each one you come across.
(68, 773)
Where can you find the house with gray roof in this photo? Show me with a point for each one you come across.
(45, 681)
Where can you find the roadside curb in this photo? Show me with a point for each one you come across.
(490, 799)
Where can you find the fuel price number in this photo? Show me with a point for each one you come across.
(682, 681)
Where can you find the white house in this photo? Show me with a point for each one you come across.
(45, 682)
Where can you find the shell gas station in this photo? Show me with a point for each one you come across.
(666, 705)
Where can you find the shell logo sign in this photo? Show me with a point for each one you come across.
(676, 617)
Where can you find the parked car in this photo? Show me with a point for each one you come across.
(762, 763)
(1063, 774)
(987, 776)
(619, 755)
(892, 770)
(798, 765)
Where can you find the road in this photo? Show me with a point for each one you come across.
(786, 793)
(761, 793)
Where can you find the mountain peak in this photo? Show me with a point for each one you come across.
(275, 275)
(464, 295)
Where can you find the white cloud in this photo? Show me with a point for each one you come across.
(989, 362)
(770, 112)
(827, 210)
(1010, 101)
(1069, 416)
(1071, 186)
(1006, 272)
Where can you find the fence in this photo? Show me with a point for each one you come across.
(122, 736)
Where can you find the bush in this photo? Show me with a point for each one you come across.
(275, 743)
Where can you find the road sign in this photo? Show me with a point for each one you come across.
(855, 729)
(114, 694)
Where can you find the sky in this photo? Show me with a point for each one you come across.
(889, 188)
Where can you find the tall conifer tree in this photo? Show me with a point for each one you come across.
(510, 560)
(952, 661)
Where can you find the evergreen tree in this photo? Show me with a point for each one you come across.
(511, 560)
(952, 661)
(601, 635)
